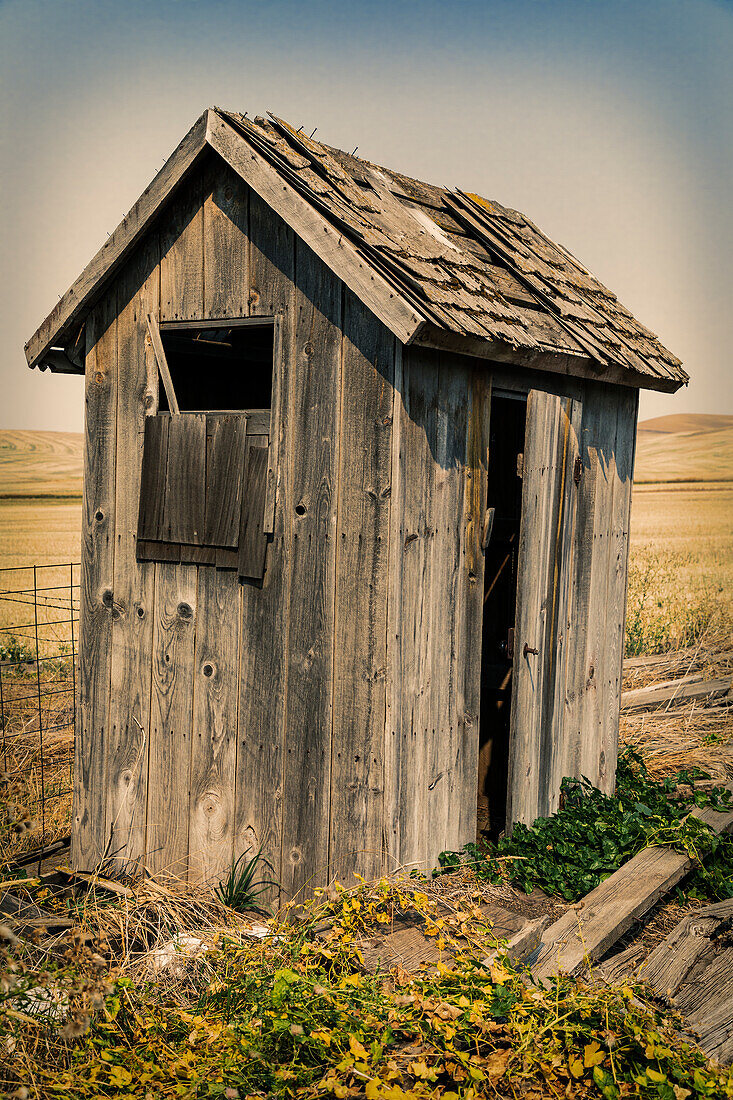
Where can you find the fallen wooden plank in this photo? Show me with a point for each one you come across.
(693, 968)
(586, 932)
(692, 657)
(670, 692)
(409, 948)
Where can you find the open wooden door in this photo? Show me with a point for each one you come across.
(571, 595)
(551, 473)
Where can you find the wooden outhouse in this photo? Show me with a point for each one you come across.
(357, 480)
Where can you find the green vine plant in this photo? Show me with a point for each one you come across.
(592, 834)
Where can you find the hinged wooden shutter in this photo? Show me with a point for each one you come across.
(202, 495)
(544, 615)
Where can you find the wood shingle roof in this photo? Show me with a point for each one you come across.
(431, 263)
(467, 264)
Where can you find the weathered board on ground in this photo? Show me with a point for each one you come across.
(585, 933)
(668, 693)
(693, 966)
(408, 946)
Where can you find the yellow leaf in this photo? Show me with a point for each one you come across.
(499, 975)
(421, 1069)
(322, 1037)
(350, 979)
(464, 1002)
(655, 1076)
(576, 1067)
(119, 1076)
(357, 1049)
(496, 1062)
(372, 1091)
(592, 1055)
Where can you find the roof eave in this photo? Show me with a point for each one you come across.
(556, 362)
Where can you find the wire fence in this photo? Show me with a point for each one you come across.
(39, 616)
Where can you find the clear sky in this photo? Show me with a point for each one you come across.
(608, 122)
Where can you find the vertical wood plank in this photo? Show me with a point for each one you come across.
(171, 719)
(97, 582)
(357, 841)
(273, 455)
(150, 524)
(312, 470)
(172, 690)
(132, 630)
(470, 594)
(435, 528)
(395, 573)
(535, 578)
(265, 625)
(226, 242)
(225, 468)
(252, 539)
(181, 253)
(271, 259)
(214, 739)
(185, 486)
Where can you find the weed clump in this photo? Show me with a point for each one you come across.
(592, 833)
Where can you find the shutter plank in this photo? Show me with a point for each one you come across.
(185, 495)
(225, 469)
(252, 539)
(153, 478)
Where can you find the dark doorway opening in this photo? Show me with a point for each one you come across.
(506, 449)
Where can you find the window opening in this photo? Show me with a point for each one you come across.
(218, 368)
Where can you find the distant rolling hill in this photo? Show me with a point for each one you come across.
(40, 464)
(681, 447)
(685, 447)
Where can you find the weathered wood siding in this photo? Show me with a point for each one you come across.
(571, 594)
(217, 717)
(439, 469)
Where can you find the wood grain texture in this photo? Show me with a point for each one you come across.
(150, 524)
(265, 625)
(275, 432)
(132, 629)
(357, 839)
(431, 668)
(214, 737)
(571, 590)
(535, 747)
(252, 539)
(585, 934)
(225, 469)
(470, 593)
(182, 252)
(226, 242)
(312, 471)
(97, 583)
(185, 484)
(693, 968)
(672, 692)
(171, 720)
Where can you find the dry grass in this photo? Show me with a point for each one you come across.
(681, 568)
(40, 463)
(42, 780)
